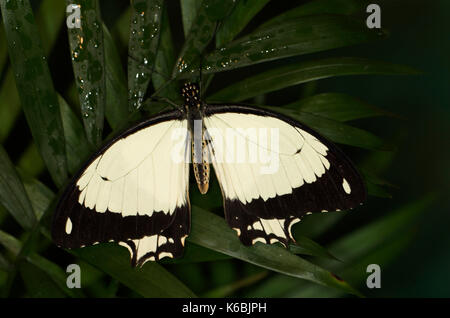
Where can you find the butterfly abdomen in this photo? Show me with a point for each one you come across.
(200, 162)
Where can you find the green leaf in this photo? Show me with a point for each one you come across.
(3, 48)
(77, 147)
(308, 35)
(48, 19)
(335, 131)
(383, 240)
(306, 246)
(121, 30)
(30, 161)
(200, 34)
(10, 243)
(88, 61)
(382, 230)
(188, 13)
(5, 265)
(145, 27)
(377, 191)
(211, 231)
(52, 271)
(34, 83)
(152, 280)
(293, 74)
(336, 106)
(165, 60)
(376, 186)
(241, 15)
(116, 108)
(12, 193)
(37, 284)
(40, 195)
(317, 224)
(319, 7)
(10, 110)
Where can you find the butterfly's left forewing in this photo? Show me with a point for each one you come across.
(273, 170)
(134, 192)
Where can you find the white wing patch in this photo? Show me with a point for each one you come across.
(137, 174)
(298, 158)
(148, 245)
(68, 226)
(271, 231)
(346, 186)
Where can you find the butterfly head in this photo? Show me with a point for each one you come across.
(191, 95)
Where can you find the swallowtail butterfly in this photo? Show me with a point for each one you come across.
(135, 189)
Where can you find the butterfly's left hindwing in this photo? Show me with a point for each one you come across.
(132, 192)
(283, 172)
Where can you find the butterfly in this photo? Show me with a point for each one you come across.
(272, 171)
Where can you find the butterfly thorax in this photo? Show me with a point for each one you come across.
(199, 147)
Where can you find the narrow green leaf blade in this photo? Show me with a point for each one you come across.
(52, 271)
(382, 230)
(152, 280)
(12, 193)
(308, 35)
(383, 239)
(10, 243)
(88, 61)
(306, 246)
(145, 27)
(336, 131)
(5, 265)
(49, 19)
(116, 107)
(34, 84)
(241, 15)
(40, 195)
(48, 22)
(337, 106)
(55, 273)
(303, 72)
(211, 231)
(3, 47)
(165, 61)
(200, 34)
(188, 13)
(77, 146)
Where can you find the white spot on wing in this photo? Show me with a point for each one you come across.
(127, 246)
(259, 239)
(346, 186)
(68, 226)
(290, 226)
(165, 254)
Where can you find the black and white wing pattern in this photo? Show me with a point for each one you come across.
(131, 192)
(273, 171)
